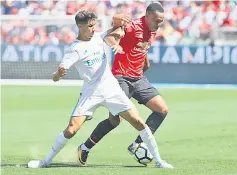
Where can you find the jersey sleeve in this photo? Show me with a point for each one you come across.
(70, 57)
(103, 35)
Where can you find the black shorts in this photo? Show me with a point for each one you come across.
(140, 89)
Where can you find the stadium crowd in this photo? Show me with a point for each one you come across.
(186, 21)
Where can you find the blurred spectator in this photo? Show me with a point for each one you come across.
(186, 21)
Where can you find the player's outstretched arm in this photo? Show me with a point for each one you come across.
(120, 20)
(70, 57)
(59, 74)
(113, 37)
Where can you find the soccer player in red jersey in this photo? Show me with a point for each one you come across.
(131, 41)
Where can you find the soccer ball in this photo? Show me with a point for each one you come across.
(142, 155)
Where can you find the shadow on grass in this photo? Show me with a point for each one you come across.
(71, 165)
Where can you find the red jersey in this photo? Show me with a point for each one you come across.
(135, 44)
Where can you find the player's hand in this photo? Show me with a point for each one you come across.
(121, 20)
(59, 74)
(117, 49)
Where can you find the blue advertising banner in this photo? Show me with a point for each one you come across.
(169, 64)
(193, 64)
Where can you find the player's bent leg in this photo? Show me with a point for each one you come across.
(159, 111)
(103, 128)
(157, 104)
(133, 118)
(74, 125)
(149, 96)
(136, 121)
(99, 132)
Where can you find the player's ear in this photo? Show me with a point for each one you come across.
(148, 14)
(80, 25)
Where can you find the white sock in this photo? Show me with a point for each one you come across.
(83, 147)
(59, 143)
(150, 142)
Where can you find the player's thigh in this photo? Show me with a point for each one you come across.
(133, 117)
(83, 111)
(125, 85)
(144, 91)
(157, 104)
(117, 102)
(86, 106)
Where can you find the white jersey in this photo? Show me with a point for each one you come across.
(91, 63)
(100, 86)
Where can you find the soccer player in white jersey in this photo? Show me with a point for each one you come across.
(100, 88)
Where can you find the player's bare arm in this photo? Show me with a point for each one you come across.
(59, 74)
(113, 37)
(146, 64)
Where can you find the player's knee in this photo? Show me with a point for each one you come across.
(114, 120)
(164, 110)
(70, 132)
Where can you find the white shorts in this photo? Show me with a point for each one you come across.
(115, 102)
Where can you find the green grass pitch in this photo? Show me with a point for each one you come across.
(199, 136)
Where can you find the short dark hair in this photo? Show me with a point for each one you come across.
(83, 17)
(155, 7)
